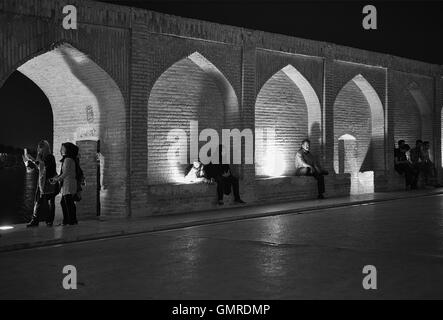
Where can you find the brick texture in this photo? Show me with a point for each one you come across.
(182, 94)
(281, 107)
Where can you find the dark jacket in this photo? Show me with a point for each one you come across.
(50, 171)
(216, 170)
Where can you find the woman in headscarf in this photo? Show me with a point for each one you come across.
(44, 206)
(68, 180)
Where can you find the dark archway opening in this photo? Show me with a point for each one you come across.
(26, 117)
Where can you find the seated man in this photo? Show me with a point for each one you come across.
(403, 164)
(428, 168)
(400, 144)
(416, 154)
(221, 173)
(306, 165)
(197, 174)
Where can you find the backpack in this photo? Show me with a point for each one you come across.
(81, 181)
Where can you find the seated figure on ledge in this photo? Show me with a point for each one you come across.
(307, 165)
(226, 181)
(197, 174)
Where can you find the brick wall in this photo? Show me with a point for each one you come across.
(182, 94)
(280, 106)
(97, 76)
(367, 85)
(86, 104)
(352, 116)
(414, 98)
(408, 125)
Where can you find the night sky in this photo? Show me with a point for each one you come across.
(407, 29)
(26, 114)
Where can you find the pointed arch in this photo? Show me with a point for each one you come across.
(287, 104)
(424, 109)
(192, 89)
(88, 105)
(358, 112)
(411, 106)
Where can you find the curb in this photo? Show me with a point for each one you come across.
(215, 220)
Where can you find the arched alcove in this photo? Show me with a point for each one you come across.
(287, 105)
(192, 89)
(413, 116)
(87, 105)
(26, 115)
(358, 112)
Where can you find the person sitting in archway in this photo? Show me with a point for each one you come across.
(307, 165)
(416, 157)
(404, 165)
(428, 168)
(197, 174)
(416, 154)
(226, 181)
(400, 144)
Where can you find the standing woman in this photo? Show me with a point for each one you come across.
(44, 206)
(68, 181)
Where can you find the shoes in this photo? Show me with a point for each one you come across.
(321, 196)
(32, 224)
(49, 224)
(220, 203)
(240, 201)
(74, 223)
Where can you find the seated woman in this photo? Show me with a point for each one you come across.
(197, 174)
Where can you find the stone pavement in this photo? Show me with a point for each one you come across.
(21, 237)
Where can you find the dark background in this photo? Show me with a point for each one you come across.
(408, 29)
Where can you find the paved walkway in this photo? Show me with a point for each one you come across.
(22, 238)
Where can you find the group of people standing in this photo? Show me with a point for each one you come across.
(414, 161)
(68, 183)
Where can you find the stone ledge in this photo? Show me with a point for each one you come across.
(180, 189)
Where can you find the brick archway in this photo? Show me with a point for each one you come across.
(87, 105)
(358, 112)
(192, 89)
(287, 103)
(412, 106)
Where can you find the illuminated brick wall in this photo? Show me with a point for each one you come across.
(413, 110)
(86, 105)
(184, 93)
(280, 106)
(408, 125)
(352, 116)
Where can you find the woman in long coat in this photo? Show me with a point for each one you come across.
(68, 181)
(44, 206)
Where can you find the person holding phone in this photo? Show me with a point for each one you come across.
(44, 201)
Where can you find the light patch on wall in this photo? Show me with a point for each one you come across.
(274, 162)
(191, 90)
(287, 104)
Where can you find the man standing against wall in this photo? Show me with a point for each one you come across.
(307, 165)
